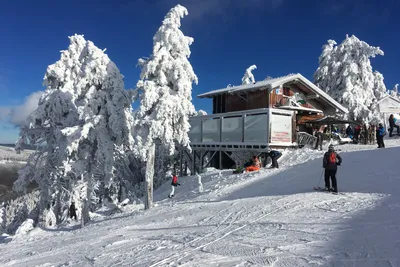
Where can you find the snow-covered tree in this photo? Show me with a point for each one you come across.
(345, 72)
(248, 77)
(165, 89)
(2, 218)
(395, 91)
(326, 65)
(83, 126)
(200, 112)
(380, 89)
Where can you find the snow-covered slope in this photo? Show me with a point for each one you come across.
(270, 218)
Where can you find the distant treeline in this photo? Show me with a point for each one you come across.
(25, 146)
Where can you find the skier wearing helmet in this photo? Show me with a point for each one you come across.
(380, 133)
(330, 162)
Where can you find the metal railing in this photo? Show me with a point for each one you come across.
(304, 139)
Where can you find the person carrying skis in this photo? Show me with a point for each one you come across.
(380, 133)
(274, 155)
(174, 184)
(330, 162)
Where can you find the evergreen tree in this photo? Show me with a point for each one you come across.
(346, 74)
(165, 89)
(83, 127)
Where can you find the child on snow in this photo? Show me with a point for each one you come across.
(255, 165)
(174, 184)
(330, 162)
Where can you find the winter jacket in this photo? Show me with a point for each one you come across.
(392, 122)
(326, 161)
(175, 181)
(380, 131)
(274, 153)
(349, 131)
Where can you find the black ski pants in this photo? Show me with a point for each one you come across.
(275, 161)
(392, 128)
(379, 139)
(330, 175)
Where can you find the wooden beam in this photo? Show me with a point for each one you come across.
(312, 96)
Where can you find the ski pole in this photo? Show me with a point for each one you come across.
(320, 178)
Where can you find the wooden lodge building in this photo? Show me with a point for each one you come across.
(248, 119)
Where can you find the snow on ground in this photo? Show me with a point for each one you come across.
(269, 218)
(8, 155)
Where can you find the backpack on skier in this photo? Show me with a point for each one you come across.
(332, 158)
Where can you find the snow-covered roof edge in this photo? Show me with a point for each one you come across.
(274, 83)
(261, 84)
(388, 96)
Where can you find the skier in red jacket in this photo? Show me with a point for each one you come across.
(174, 184)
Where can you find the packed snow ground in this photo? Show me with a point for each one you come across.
(269, 218)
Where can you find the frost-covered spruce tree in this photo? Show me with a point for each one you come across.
(248, 77)
(395, 91)
(326, 66)
(83, 126)
(345, 72)
(2, 218)
(380, 89)
(165, 89)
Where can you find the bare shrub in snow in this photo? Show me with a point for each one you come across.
(25, 228)
(20, 209)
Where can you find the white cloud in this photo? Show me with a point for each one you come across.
(18, 115)
(4, 113)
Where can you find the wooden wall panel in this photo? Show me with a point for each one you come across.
(253, 100)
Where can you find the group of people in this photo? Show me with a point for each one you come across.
(361, 133)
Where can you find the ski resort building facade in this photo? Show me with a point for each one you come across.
(248, 119)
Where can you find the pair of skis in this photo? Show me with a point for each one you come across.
(318, 188)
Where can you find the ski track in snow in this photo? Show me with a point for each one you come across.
(266, 218)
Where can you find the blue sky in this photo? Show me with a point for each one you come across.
(279, 36)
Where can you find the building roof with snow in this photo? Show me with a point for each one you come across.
(307, 87)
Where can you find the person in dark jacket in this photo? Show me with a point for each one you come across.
(319, 136)
(72, 211)
(330, 162)
(392, 125)
(380, 133)
(349, 132)
(274, 155)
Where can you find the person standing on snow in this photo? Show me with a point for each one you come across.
(275, 155)
(72, 211)
(330, 162)
(392, 125)
(174, 184)
(380, 133)
(319, 135)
